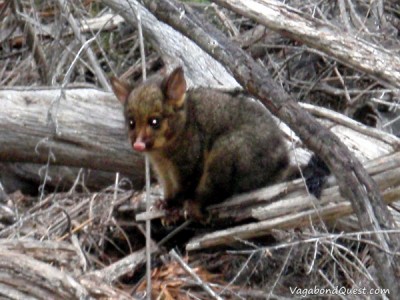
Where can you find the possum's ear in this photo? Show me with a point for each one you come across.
(121, 89)
(175, 87)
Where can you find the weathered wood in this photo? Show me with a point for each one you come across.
(23, 277)
(318, 34)
(200, 68)
(74, 127)
(289, 213)
(330, 119)
(32, 269)
(387, 178)
(283, 199)
(295, 219)
(27, 178)
(59, 254)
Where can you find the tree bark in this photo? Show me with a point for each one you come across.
(354, 182)
(74, 127)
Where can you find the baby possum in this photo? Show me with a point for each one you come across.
(204, 145)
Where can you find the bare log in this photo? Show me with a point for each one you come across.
(74, 127)
(91, 142)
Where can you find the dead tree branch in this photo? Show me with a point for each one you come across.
(317, 34)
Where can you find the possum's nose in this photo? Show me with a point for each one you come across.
(139, 145)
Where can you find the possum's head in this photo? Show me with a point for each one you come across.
(154, 110)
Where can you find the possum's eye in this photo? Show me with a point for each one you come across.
(155, 122)
(131, 123)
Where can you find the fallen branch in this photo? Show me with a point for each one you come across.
(346, 47)
(59, 254)
(299, 210)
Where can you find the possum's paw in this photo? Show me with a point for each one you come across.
(173, 214)
(193, 210)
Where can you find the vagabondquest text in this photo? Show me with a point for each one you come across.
(337, 291)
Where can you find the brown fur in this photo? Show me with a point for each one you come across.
(208, 145)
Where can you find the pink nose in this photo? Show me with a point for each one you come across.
(139, 146)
